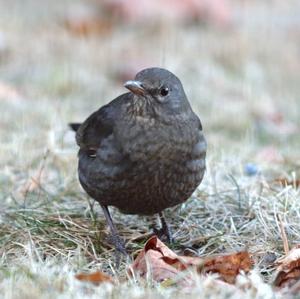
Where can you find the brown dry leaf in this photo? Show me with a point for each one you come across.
(228, 266)
(288, 271)
(160, 270)
(156, 244)
(165, 264)
(152, 257)
(181, 263)
(95, 277)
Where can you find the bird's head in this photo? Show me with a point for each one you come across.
(157, 90)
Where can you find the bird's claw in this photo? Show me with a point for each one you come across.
(119, 247)
(164, 234)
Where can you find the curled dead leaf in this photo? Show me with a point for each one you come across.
(181, 263)
(155, 244)
(164, 264)
(288, 271)
(94, 277)
(151, 259)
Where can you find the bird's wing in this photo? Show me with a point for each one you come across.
(98, 125)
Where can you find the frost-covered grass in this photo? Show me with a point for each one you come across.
(244, 84)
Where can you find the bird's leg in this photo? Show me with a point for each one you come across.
(115, 239)
(165, 230)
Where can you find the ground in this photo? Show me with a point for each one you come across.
(242, 79)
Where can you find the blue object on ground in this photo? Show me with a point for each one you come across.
(250, 169)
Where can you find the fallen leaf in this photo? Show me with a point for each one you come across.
(228, 266)
(288, 270)
(183, 262)
(95, 277)
(159, 269)
(156, 244)
(292, 256)
(151, 258)
(164, 264)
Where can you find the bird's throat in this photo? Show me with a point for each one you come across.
(142, 107)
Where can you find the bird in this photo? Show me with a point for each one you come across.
(143, 152)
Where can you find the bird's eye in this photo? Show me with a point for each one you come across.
(164, 91)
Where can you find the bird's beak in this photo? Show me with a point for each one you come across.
(135, 87)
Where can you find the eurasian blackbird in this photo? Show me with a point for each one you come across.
(144, 151)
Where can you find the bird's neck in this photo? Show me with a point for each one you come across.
(138, 108)
(145, 110)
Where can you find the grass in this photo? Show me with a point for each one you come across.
(238, 80)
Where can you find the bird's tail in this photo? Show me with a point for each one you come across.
(74, 126)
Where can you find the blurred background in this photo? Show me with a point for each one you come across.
(239, 62)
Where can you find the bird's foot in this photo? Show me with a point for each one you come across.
(164, 234)
(119, 247)
(114, 236)
(119, 244)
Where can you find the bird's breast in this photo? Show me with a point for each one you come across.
(161, 182)
(147, 139)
